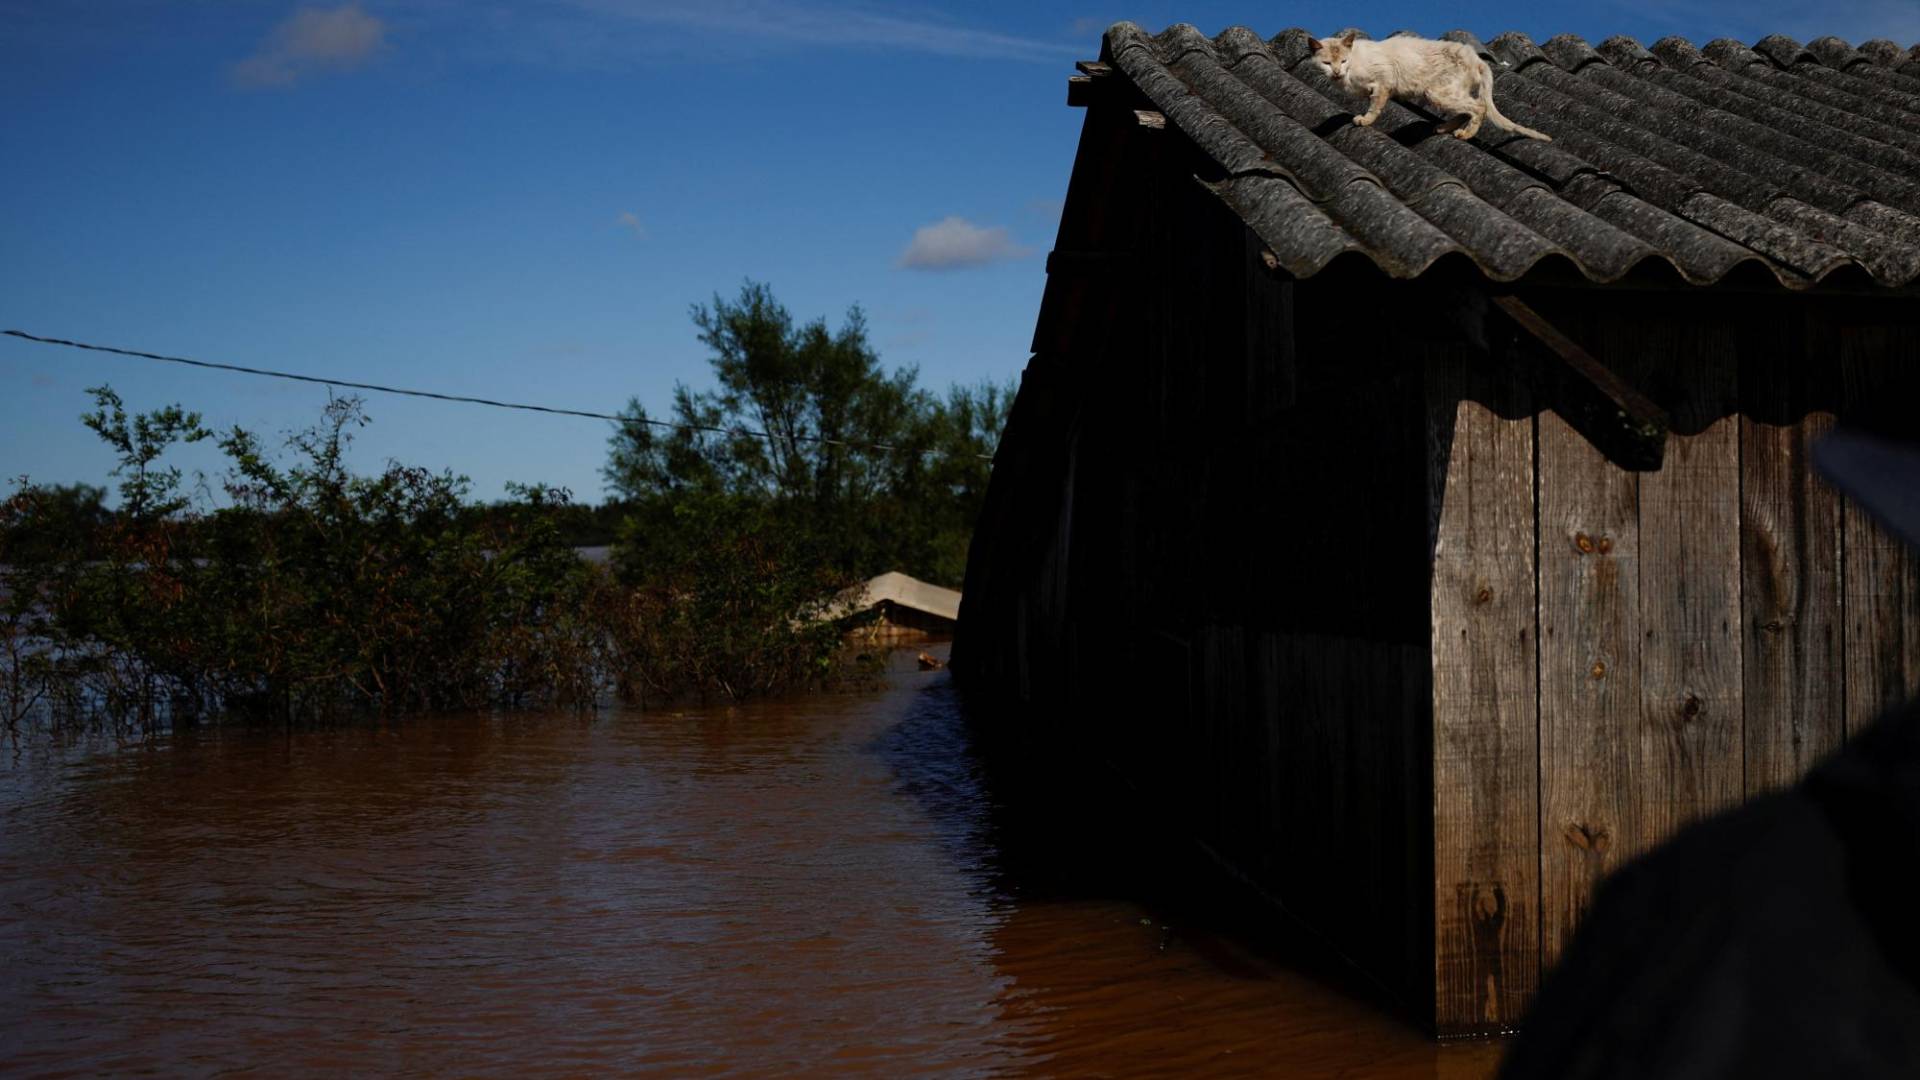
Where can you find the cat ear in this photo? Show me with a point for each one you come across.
(1314, 44)
(1347, 38)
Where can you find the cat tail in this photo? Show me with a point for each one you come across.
(1493, 111)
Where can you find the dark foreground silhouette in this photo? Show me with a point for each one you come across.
(1777, 940)
(1780, 939)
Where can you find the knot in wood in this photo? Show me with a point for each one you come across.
(1484, 595)
(1489, 908)
(1594, 838)
(1599, 669)
(1605, 544)
(1690, 708)
(1583, 543)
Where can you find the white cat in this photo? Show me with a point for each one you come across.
(1448, 76)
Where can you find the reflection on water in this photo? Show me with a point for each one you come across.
(827, 885)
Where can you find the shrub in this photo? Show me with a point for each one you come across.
(314, 591)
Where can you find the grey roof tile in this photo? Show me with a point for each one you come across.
(1471, 42)
(1796, 59)
(1905, 62)
(1689, 72)
(1571, 53)
(1802, 160)
(1517, 49)
(1745, 131)
(1843, 57)
(1882, 52)
(1758, 76)
(1835, 53)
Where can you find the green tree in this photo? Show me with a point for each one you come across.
(821, 403)
(147, 491)
(805, 423)
(947, 497)
(68, 519)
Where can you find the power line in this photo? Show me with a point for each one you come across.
(465, 400)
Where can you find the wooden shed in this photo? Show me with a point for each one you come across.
(1425, 525)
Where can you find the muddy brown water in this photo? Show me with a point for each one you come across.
(832, 886)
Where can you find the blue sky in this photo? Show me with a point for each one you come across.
(521, 200)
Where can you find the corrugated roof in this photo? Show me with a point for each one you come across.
(1804, 160)
(908, 592)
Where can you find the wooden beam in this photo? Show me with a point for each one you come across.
(1082, 89)
(1147, 118)
(1621, 422)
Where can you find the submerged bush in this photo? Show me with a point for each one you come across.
(314, 591)
(716, 592)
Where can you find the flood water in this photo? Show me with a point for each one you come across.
(831, 886)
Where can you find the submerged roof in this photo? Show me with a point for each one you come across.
(909, 592)
(1804, 160)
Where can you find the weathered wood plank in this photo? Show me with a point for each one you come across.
(1589, 674)
(1793, 667)
(1880, 369)
(1691, 757)
(1882, 596)
(1485, 708)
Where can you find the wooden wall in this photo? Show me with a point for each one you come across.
(1347, 600)
(1704, 632)
(1203, 562)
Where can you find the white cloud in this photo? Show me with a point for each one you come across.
(631, 222)
(828, 23)
(1090, 26)
(954, 243)
(310, 41)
